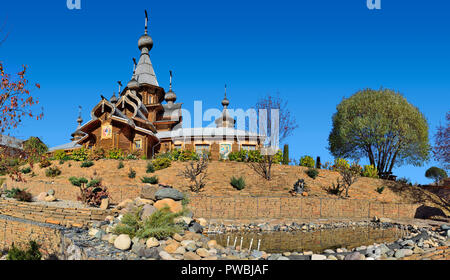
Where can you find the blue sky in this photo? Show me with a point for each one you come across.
(313, 53)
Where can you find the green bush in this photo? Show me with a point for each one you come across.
(78, 182)
(238, 183)
(120, 165)
(87, 164)
(52, 172)
(96, 154)
(115, 154)
(31, 254)
(94, 183)
(286, 154)
(44, 163)
(380, 189)
(81, 154)
(60, 155)
(161, 163)
(370, 171)
(435, 173)
(150, 168)
(340, 164)
(405, 181)
(160, 224)
(131, 173)
(150, 180)
(19, 194)
(26, 170)
(307, 161)
(312, 173)
(34, 148)
(318, 163)
(336, 189)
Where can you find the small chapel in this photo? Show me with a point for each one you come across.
(144, 118)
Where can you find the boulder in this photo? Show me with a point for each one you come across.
(191, 256)
(166, 256)
(174, 206)
(142, 201)
(123, 242)
(202, 252)
(147, 211)
(316, 257)
(356, 256)
(171, 248)
(41, 196)
(105, 204)
(124, 203)
(202, 222)
(212, 244)
(50, 198)
(196, 228)
(152, 242)
(151, 253)
(403, 253)
(148, 192)
(163, 193)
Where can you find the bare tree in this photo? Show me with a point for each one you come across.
(195, 171)
(263, 167)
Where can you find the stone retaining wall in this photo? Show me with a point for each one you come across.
(51, 215)
(244, 208)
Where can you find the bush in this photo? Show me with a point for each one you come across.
(150, 180)
(405, 181)
(19, 194)
(160, 224)
(134, 155)
(336, 189)
(93, 193)
(44, 163)
(318, 163)
(52, 172)
(380, 189)
(31, 254)
(115, 154)
(238, 183)
(370, 171)
(78, 182)
(96, 154)
(286, 154)
(150, 168)
(307, 161)
(312, 173)
(60, 155)
(87, 164)
(81, 154)
(340, 164)
(435, 173)
(26, 170)
(120, 165)
(161, 163)
(132, 173)
(34, 148)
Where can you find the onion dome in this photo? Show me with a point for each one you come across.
(113, 98)
(170, 96)
(133, 84)
(145, 42)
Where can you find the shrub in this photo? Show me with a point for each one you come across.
(436, 173)
(380, 189)
(12, 192)
(286, 154)
(94, 183)
(44, 163)
(307, 161)
(340, 164)
(312, 173)
(31, 254)
(160, 224)
(336, 189)
(115, 154)
(150, 168)
(134, 155)
(405, 181)
(52, 172)
(19, 194)
(370, 171)
(131, 173)
(81, 154)
(96, 154)
(87, 164)
(78, 182)
(91, 194)
(185, 201)
(60, 155)
(34, 148)
(196, 173)
(161, 163)
(26, 170)
(318, 163)
(239, 156)
(238, 183)
(150, 180)
(120, 165)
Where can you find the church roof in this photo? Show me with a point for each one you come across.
(144, 70)
(67, 146)
(209, 132)
(9, 141)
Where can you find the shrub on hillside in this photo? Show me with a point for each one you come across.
(52, 172)
(60, 155)
(120, 165)
(115, 154)
(44, 163)
(307, 161)
(318, 163)
(150, 180)
(340, 164)
(286, 154)
(32, 253)
(335, 189)
(379, 189)
(150, 168)
(161, 163)
(19, 194)
(26, 170)
(370, 171)
(87, 164)
(435, 173)
(97, 154)
(312, 173)
(134, 155)
(81, 154)
(91, 193)
(78, 181)
(238, 183)
(131, 173)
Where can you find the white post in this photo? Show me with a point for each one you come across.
(228, 240)
(259, 244)
(235, 240)
(242, 239)
(251, 243)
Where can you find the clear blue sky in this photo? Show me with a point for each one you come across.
(313, 53)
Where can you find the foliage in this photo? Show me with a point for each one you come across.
(31, 254)
(26, 170)
(35, 148)
(318, 163)
(312, 173)
(336, 189)
(195, 171)
(405, 181)
(12, 192)
(350, 175)
(87, 164)
(81, 154)
(380, 189)
(120, 165)
(52, 172)
(44, 163)
(238, 183)
(161, 163)
(179, 155)
(19, 194)
(286, 154)
(78, 182)
(185, 201)
(132, 173)
(94, 183)
(150, 180)
(441, 149)
(16, 100)
(134, 155)
(436, 173)
(161, 224)
(340, 163)
(60, 155)
(150, 168)
(92, 193)
(115, 153)
(97, 153)
(382, 126)
(307, 161)
(370, 171)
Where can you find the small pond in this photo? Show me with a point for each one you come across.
(316, 241)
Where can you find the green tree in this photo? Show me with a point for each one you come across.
(35, 148)
(382, 126)
(286, 154)
(436, 174)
